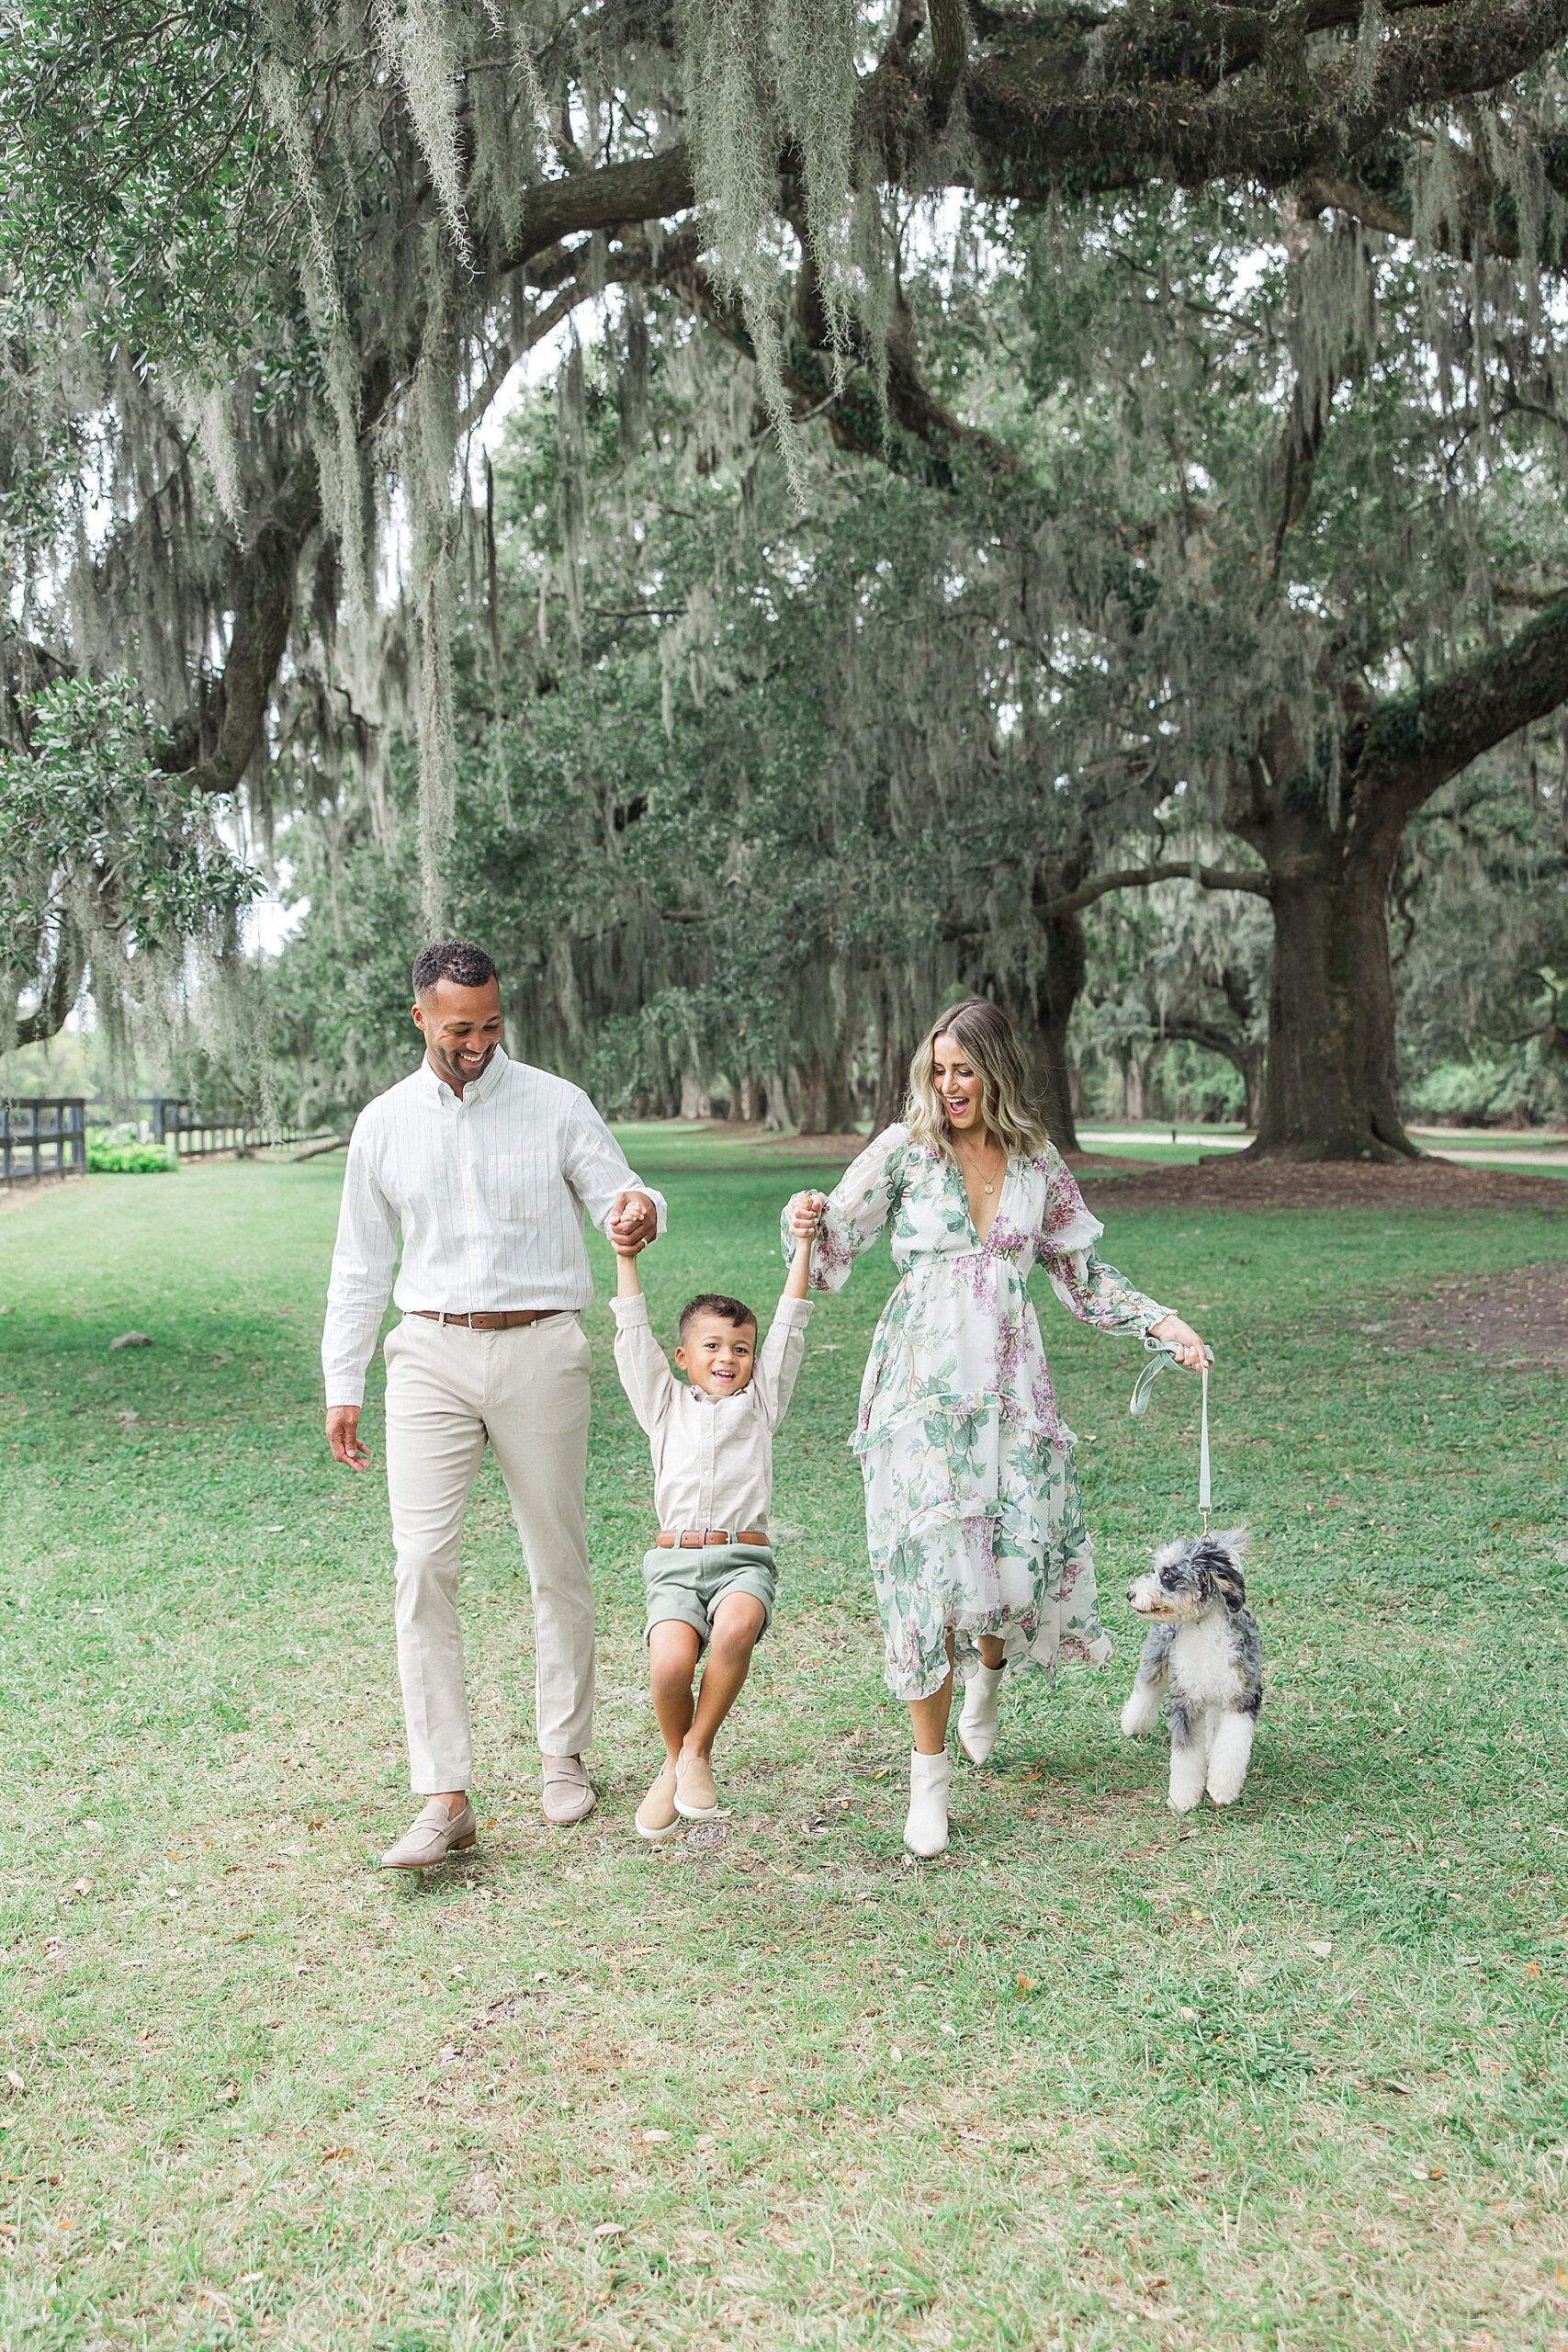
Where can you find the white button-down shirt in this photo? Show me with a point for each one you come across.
(488, 1191)
(712, 1456)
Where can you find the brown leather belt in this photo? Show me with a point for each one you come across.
(692, 1539)
(509, 1318)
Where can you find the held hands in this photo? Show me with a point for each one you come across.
(343, 1436)
(804, 1213)
(633, 1223)
(1189, 1347)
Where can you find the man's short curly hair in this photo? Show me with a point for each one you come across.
(452, 959)
(713, 1302)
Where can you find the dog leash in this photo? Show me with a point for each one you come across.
(1160, 1357)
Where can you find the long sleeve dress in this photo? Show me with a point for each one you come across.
(973, 1516)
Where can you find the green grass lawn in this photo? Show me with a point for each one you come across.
(1291, 2077)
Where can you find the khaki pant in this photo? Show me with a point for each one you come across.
(526, 1390)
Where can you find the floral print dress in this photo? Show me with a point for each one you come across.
(972, 1511)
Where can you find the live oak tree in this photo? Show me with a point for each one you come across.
(1344, 466)
(266, 267)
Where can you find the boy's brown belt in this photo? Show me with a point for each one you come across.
(510, 1318)
(690, 1539)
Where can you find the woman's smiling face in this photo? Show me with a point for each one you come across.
(960, 1090)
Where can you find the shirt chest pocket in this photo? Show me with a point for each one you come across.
(513, 1186)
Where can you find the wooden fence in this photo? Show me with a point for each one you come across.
(195, 1134)
(42, 1136)
(45, 1135)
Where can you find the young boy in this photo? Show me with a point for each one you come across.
(710, 1578)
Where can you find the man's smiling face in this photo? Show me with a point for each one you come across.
(462, 1029)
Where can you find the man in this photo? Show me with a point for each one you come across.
(485, 1168)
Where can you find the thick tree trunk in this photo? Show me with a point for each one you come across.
(1246, 1056)
(1066, 963)
(1253, 1077)
(1330, 1090)
(899, 1031)
(1047, 1015)
(892, 1081)
(820, 1096)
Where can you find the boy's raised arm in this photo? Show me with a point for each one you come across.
(645, 1375)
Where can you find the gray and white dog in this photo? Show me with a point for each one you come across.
(1205, 1652)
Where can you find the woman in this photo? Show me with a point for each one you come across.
(978, 1550)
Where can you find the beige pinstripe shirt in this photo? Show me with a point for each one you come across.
(488, 1195)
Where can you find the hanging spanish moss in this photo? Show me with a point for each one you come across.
(1059, 572)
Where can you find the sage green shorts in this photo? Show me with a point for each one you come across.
(686, 1587)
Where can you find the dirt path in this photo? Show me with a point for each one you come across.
(1233, 1182)
(1519, 1318)
(1254, 1184)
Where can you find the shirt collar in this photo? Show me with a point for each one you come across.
(477, 1089)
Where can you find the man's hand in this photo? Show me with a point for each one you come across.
(343, 1436)
(633, 1223)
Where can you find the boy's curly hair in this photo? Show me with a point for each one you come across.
(713, 1301)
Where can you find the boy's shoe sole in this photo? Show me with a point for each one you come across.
(705, 1808)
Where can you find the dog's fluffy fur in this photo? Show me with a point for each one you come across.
(1205, 1651)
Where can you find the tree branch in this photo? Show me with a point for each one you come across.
(949, 39)
(649, 189)
(214, 745)
(1139, 878)
(59, 994)
(1203, 1032)
(1169, 104)
(1410, 744)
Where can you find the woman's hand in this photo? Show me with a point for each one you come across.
(1190, 1350)
(805, 1213)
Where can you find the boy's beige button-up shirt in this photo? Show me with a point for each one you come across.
(712, 1456)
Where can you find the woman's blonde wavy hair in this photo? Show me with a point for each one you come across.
(990, 1046)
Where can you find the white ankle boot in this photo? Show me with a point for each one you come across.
(977, 1723)
(925, 1831)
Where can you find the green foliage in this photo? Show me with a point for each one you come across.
(1204, 478)
(97, 844)
(137, 157)
(113, 1155)
(1511, 1089)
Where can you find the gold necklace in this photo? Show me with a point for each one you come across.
(990, 1184)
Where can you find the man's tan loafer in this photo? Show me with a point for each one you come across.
(435, 1834)
(656, 1816)
(695, 1795)
(566, 1794)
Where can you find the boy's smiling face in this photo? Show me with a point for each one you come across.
(718, 1356)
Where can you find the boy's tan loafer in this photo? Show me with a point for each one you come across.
(695, 1795)
(567, 1795)
(435, 1834)
(656, 1816)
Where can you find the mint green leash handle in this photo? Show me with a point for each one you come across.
(1160, 1358)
